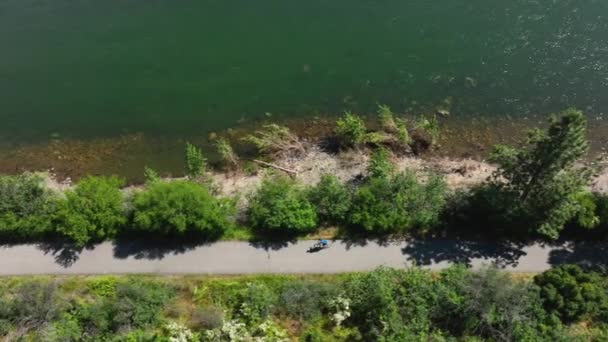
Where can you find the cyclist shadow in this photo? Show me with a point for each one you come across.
(315, 249)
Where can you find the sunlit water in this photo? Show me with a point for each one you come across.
(171, 68)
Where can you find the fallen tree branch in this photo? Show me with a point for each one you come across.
(292, 173)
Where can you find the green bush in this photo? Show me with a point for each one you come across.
(207, 318)
(375, 309)
(331, 198)
(256, 303)
(181, 208)
(399, 204)
(196, 164)
(497, 307)
(93, 211)
(280, 206)
(32, 306)
(350, 130)
(26, 207)
(572, 294)
(137, 304)
(305, 300)
(380, 165)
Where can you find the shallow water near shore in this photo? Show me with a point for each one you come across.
(110, 86)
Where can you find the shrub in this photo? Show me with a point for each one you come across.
(207, 318)
(196, 164)
(572, 294)
(92, 211)
(181, 208)
(304, 300)
(256, 303)
(137, 304)
(374, 307)
(33, 305)
(281, 206)
(380, 165)
(150, 175)
(499, 308)
(386, 118)
(429, 126)
(350, 130)
(67, 328)
(26, 207)
(331, 198)
(227, 154)
(403, 136)
(396, 205)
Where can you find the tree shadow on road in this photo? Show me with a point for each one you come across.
(590, 255)
(154, 249)
(65, 254)
(428, 251)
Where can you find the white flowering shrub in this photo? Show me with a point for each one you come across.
(233, 331)
(237, 331)
(268, 331)
(341, 308)
(179, 333)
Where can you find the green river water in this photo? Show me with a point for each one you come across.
(170, 68)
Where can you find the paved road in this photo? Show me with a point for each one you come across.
(243, 257)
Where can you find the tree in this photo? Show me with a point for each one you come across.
(179, 209)
(331, 198)
(398, 204)
(281, 206)
(350, 130)
(92, 211)
(572, 294)
(26, 207)
(196, 163)
(540, 181)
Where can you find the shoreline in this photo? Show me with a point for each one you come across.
(459, 174)
(127, 155)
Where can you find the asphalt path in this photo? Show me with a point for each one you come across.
(247, 258)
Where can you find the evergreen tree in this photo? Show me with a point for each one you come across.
(541, 179)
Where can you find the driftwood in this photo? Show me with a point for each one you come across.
(292, 173)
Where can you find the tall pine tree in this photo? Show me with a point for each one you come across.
(541, 179)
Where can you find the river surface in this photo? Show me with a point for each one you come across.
(170, 69)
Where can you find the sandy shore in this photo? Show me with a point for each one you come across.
(458, 173)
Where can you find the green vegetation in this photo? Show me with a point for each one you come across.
(281, 207)
(398, 204)
(150, 175)
(332, 200)
(350, 130)
(227, 154)
(429, 128)
(26, 207)
(538, 191)
(539, 183)
(196, 164)
(571, 294)
(181, 209)
(93, 211)
(455, 304)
